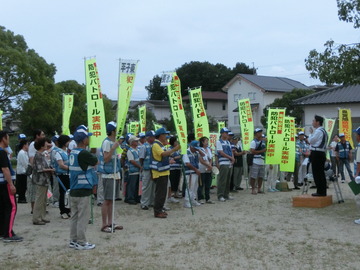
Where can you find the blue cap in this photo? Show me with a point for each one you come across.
(111, 126)
(22, 136)
(225, 129)
(150, 133)
(258, 130)
(81, 133)
(161, 131)
(195, 144)
(128, 136)
(357, 130)
(141, 135)
(55, 138)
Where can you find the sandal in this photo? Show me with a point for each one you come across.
(106, 229)
(116, 227)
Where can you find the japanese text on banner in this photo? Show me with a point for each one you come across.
(201, 124)
(275, 126)
(221, 124)
(68, 101)
(288, 145)
(345, 125)
(142, 118)
(95, 105)
(177, 109)
(246, 122)
(126, 83)
(134, 127)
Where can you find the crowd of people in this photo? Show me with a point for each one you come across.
(149, 170)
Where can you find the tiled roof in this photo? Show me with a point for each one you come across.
(338, 94)
(268, 83)
(211, 95)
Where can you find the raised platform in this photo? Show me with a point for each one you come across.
(307, 200)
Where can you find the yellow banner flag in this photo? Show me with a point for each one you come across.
(134, 128)
(95, 105)
(246, 122)
(1, 114)
(221, 124)
(288, 150)
(68, 101)
(275, 125)
(126, 83)
(201, 123)
(213, 137)
(345, 125)
(329, 125)
(156, 125)
(142, 118)
(177, 109)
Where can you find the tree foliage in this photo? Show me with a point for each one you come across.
(211, 77)
(287, 102)
(22, 71)
(338, 64)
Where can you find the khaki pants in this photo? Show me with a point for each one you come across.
(223, 185)
(40, 203)
(80, 218)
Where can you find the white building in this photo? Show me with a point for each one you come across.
(328, 102)
(261, 90)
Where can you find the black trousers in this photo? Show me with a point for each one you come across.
(21, 186)
(160, 193)
(175, 179)
(8, 210)
(318, 159)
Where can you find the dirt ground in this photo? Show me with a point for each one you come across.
(249, 232)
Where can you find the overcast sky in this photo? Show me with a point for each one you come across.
(274, 35)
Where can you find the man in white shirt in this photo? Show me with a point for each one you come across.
(21, 177)
(318, 142)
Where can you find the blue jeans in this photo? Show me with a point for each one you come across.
(342, 162)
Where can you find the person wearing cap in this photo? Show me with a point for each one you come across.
(109, 169)
(21, 166)
(257, 170)
(142, 139)
(192, 173)
(344, 156)
(133, 160)
(21, 137)
(82, 182)
(160, 169)
(148, 186)
(357, 165)
(318, 140)
(226, 160)
(175, 171)
(72, 143)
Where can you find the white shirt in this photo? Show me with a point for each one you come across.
(106, 146)
(333, 145)
(72, 145)
(316, 138)
(32, 150)
(257, 161)
(207, 157)
(22, 162)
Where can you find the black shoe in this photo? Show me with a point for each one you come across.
(296, 187)
(22, 201)
(318, 195)
(118, 199)
(300, 184)
(132, 202)
(144, 207)
(239, 188)
(313, 187)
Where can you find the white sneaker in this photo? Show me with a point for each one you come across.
(221, 199)
(85, 246)
(172, 200)
(187, 205)
(230, 198)
(357, 221)
(202, 201)
(195, 203)
(72, 244)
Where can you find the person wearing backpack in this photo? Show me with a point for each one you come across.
(257, 169)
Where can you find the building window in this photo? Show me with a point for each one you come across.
(251, 95)
(236, 120)
(224, 106)
(205, 104)
(237, 97)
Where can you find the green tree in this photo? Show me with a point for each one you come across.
(22, 72)
(287, 102)
(209, 76)
(338, 64)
